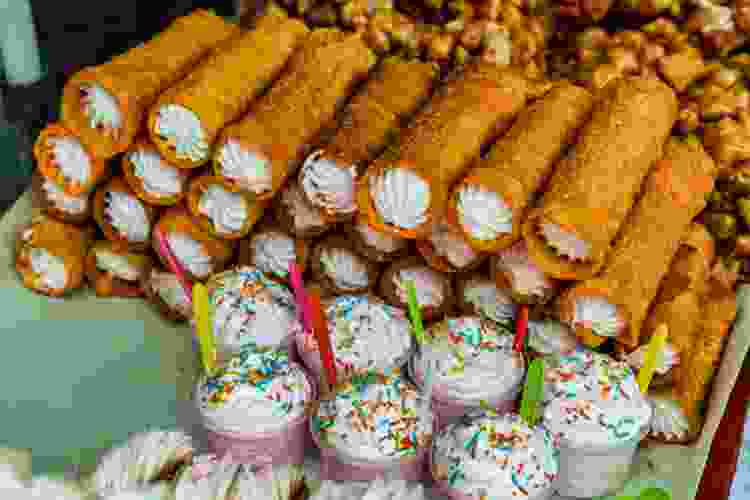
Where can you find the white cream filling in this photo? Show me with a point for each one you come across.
(328, 186)
(550, 337)
(169, 289)
(599, 315)
(250, 170)
(157, 176)
(527, 278)
(346, 270)
(668, 359)
(379, 241)
(101, 108)
(117, 265)
(565, 242)
(50, 268)
(273, 252)
(715, 17)
(226, 210)
(483, 214)
(182, 129)
(451, 246)
(401, 197)
(63, 201)
(669, 420)
(128, 216)
(303, 215)
(190, 254)
(490, 302)
(72, 160)
(429, 286)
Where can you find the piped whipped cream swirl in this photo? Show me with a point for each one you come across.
(401, 197)
(63, 201)
(489, 301)
(273, 252)
(101, 108)
(227, 211)
(328, 185)
(128, 216)
(482, 213)
(565, 242)
(347, 270)
(182, 129)
(72, 160)
(117, 265)
(429, 285)
(157, 176)
(190, 254)
(49, 268)
(252, 171)
(379, 241)
(599, 315)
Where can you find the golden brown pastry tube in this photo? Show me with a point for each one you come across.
(371, 120)
(674, 193)
(593, 189)
(50, 165)
(50, 240)
(136, 78)
(108, 270)
(282, 125)
(205, 216)
(104, 220)
(691, 265)
(221, 89)
(142, 152)
(177, 220)
(60, 205)
(520, 162)
(465, 115)
(719, 312)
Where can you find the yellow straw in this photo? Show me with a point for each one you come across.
(202, 316)
(653, 355)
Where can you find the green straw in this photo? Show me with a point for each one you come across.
(533, 392)
(416, 317)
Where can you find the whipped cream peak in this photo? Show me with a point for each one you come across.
(550, 337)
(379, 241)
(526, 278)
(429, 285)
(273, 252)
(101, 108)
(158, 177)
(482, 213)
(489, 301)
(304, 217)
(50, 268)
(182, 130)
(128, 216)
(347, 270)
(668, 359)
(190, 254)
(72, 160)
(400, 197)
(251, 170)
(117, 265)
(599, 315)
(327, 185)
(63, 201)
(227, 211)
(565, 243)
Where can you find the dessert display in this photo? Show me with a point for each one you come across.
(538, 267)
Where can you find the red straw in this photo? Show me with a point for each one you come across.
(303, 304)
(522, 327)
(174, 265)
(320, 329)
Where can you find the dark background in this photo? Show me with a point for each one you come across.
(73, 34)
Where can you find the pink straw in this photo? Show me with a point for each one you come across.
(303, 304)
(174, 265)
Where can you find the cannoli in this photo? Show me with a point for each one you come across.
(122, 217)
(678, 409)
(489, 203)
(479, 295)
(272, 251)
(595, 186)
(374, 245)
(434, 290)
(114, 272)
(188, 117)
(295, 215)
(339, 269)
(221, 210)
(373, 117)
(691, 266)
(615, 303)
(405, 195)
(106, 105)
(62, 159)
(512, 269)
(262, 150)
(60, 205)
(197, 252)
(153, 180)
(164, 290)
(447, 251)
(50, 256)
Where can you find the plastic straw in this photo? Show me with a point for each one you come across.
(533, 392)
(418, 328)
(522, 328)
(202, 315)
(303, 304)
(320, 329)
(175, 266)
(653, 355)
